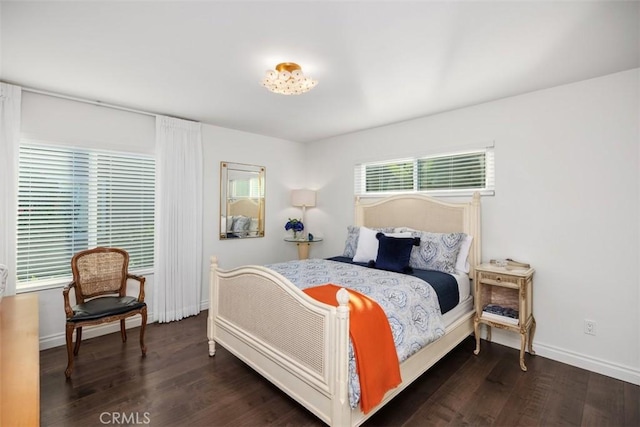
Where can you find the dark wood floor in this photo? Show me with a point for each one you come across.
(178, 384)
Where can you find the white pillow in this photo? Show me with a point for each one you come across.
(367, 248)
(368, 244)
(462, 262)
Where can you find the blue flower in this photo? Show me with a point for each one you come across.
(294, 224)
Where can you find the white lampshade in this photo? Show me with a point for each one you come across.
(303, 198)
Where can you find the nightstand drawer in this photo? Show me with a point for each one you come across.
(497, 279)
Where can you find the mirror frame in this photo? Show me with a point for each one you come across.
(226, 169)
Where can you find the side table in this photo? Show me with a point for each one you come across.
(510, 289)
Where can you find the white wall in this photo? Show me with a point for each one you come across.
(72, 123)
(567, 201)
(284, 167)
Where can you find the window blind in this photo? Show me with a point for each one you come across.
(239, 188)
(70, 200)
(447, 174)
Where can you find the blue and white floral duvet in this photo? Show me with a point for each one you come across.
(411, 304)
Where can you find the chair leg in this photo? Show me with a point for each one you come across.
(70, 328)
(78, 340)
(123, 331)
(143, 313)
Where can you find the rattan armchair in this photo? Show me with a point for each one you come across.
(100, 284)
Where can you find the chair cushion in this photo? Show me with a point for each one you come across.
(105, 306)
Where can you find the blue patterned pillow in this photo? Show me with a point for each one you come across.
(353, 234)
(437, 251)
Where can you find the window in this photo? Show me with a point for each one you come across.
(74, 199)
(459, 173)
(247, 188)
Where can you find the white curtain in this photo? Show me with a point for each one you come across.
(10, 101)
(178, 271)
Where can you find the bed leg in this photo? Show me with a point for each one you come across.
(476, 332)
(212, 348)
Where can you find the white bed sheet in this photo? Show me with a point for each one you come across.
(465, 303)
(464, 286)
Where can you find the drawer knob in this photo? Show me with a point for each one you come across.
(498, 278)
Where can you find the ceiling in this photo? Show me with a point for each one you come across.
(376, 62)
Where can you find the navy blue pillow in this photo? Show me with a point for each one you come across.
(394, 253)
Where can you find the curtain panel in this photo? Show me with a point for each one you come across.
(10, 104)
(178, 260)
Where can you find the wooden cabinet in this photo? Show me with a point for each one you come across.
(19, 361)
(512, 290)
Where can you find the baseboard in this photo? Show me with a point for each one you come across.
(59, 339)
(593, 364)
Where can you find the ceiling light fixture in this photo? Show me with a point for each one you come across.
(287, 79)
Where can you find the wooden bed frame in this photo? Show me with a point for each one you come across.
(300, 344)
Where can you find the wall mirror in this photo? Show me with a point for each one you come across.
(242, 200)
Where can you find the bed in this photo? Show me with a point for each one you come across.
(302, 345)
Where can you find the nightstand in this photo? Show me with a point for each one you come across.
(504, 300)
(303, 246)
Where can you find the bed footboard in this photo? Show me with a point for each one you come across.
(300, 344)
(296, 342)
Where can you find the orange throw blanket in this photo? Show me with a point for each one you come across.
(375, 352)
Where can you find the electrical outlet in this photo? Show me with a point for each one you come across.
(589, 327)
